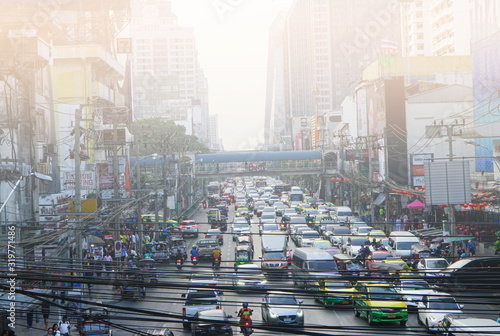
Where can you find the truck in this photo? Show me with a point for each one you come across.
(274, 248)
(206, 246)
(197, 300)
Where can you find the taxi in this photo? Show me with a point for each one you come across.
(378, 235)
(379, 302)
(318, 219)
(333, 292)
(299, 208)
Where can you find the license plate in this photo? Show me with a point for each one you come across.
(391, 315)
(212, 328)
(287, 320)
(344, 302)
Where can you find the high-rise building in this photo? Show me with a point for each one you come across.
(168, 80)
(450, 27)
(326, 45)
(214, 132)
(416, 28)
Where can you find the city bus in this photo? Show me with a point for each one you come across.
(279, 189)
(213, 188)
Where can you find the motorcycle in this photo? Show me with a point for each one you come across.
(216, 263)
(178, 263)
(204, 205)
(194, 260)
(246, 327)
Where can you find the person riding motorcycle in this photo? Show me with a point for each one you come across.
(179, 256)
(216, 254)
(245, 315)
(194, 252)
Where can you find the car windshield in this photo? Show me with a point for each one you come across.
(241, 225)
(358, 241)
(344, 213)
(338, 284)
(322, 245)
(415, 285)
(437, 264)
(321, 265)
(267, 216)
(443, 304)
(298, 220)
(342, 231)
(249, 271)
(274, 255)
(310, 234)
(383, 293)
(313, 212)
(289, 211)
(333, 252)
(377, 234)
(242, 254)
(405, 245)
(287, 300)
(207, 242)
(380, 256)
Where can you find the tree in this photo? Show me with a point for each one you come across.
(155, 135)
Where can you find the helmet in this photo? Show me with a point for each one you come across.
(245, 305)
(463, 255)
(194, 247)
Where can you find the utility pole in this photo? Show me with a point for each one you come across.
(386, 187)
(370, 177)
(138, 193)
(116, 231)
(77, 200)
(156, 194)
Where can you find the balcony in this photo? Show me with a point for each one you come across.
(103, 92)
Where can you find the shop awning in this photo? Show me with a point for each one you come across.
(379, 200)
(416, 204)
(458, 238)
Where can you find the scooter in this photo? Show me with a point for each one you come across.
(194, 260)
(178, 263)
(204, 205)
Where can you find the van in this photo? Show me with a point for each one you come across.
(341, 214)
(400, 243)
(310, 264)
(463, 325)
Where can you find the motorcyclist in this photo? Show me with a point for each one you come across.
(245, 315)
(194, 252)
(216, 253)
(179, 256)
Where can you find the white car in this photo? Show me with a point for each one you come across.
(354, 245)
(412, 291)
(307, 238)
(433, 309)
(338, 233)
(362, 231)
(432, 266)
(354, 226)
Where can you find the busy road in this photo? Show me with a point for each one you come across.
(167, 299)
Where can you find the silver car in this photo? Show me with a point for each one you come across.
(283, 309)
(249, 276)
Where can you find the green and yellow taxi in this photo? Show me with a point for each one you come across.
(241, 212)
(378, 235)
(301, 207)
(379, 302)
(333, 292)
(318, 219)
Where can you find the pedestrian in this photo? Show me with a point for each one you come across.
(64, 326)
(45, 313)
(49, 332)
(55, 330)
(424, 224)
(471, 247)
(29, 317)
(398, 224)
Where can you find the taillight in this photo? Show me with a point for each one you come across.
(183, 311)
(181, 226)
(217, 307)
(225, 327)
(247, 324)
(195, 225)
(179, 261)
(216, 259)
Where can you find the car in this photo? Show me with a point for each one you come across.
(298, 233)
(333, 292)
(338, 233)
(249, 276)
(307, 238)
(273, 199)
(333, 251)
(159, 332)
(282, 309)
(206, 246)
(362, 231)
(461, 324)
(211, 322)
(354, 244)
(239, 226)
(433, 308)
(321, 244)
(323, 209)
(267, 217)
(189, 228)
(412, 291)
(267, 228)
(354, 226)
(203, 278)
(379, 302)
(197, 300)
(215, 234)
(378, 235)
(431, 266)
(302, 207)
(280, 210)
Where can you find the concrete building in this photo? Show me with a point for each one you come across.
(416, 28)
(450, 27)
(215, 141)
(168, 80)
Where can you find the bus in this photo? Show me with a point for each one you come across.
(279, 189)
(213, 188)
(296, 196)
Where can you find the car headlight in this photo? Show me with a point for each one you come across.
(432, 318)
(273, 315)
(404, 309)
(377, 310)
(241, 283)
(263, 281)
(300, 312)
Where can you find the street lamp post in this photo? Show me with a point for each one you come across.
(155, 157)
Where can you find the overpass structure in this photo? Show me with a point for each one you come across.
(234, 164)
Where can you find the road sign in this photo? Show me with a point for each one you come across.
(118, 249)
(131, 220)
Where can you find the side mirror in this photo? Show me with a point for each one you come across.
(229, 316)
(260, 257)
(183, 295)
(364, 297)
(300, 301)
(420, 305)
(461, 306)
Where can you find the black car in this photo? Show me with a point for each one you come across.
(223, 209)
(483, 271)
(211, 322)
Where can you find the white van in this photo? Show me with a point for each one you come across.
(400, 243)
(341, 214)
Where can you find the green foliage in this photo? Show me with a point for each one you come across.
(164, 137)
(496, 244)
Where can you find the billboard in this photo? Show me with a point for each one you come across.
(447, 182)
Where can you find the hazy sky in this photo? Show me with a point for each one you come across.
(232, 42)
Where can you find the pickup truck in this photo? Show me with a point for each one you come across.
(206, 246)
(197, 300)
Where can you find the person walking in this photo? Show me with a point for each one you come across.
(64, 326)
(471, 247)
(45, 313)
(29, 317)
(55, 330)
(398, 224)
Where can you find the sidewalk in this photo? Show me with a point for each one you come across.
(103, 293)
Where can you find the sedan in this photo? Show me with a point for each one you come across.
(432, 309)
(412, 291)
(211, 322)
(249, 276)
(282, 308)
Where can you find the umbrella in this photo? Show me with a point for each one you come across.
(96, 240)
(416, 204)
